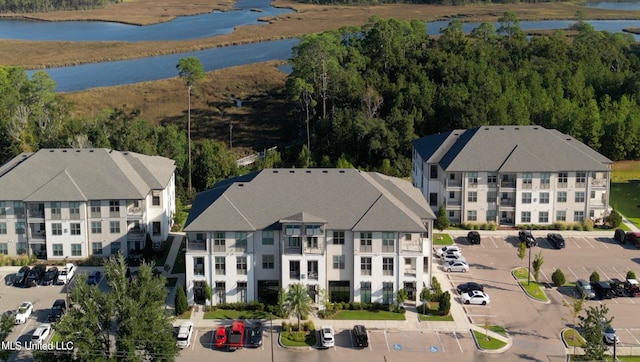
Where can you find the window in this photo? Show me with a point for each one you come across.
(527, 180)
(433, 199)
(18, 209)
(96, 248)
(472, 196)
(20, 225)
(473, 179)
(561, 215)
(267, 262)
(115, 247)
(562, 196)
(241, 240)
(492, 178)
(472, 215)
(365, 266)
(562, 179)
(338, 238)
(267, 238)
(21, 248)
(388, 243)
(338, 262)
(526, 197)
(492, 196)
(578, 216)
(56, 214)
(96, 227)
(292, 229)
(433, 171)
(219, 241)
(155, 200)
(365, 292)
(114, 227)
(452, 214)
(221, 292)
(3, 209)
(544, 197)
(74, 210)
(114, 208)
(57, 249)
(592, 194)
(294, 269)
(76, 249)
(242, 290)
(313, 230)
(293, 242)
(491, 215)
(339, 290)
(4, 248)
(312, 242)
(545, 180)
(220, 266)
(75, 228)
(241, 265)
(452, 195)
(365, 242)
(198, 265)
(525, 216)
(543, 216)
(95, 208)
(581, 179)
(387, 266)
(155, 227)
(387, 293)
(56, 229)
(312, 269)
(3, 228)
(579, 196)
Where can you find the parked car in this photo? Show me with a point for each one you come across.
(21, 276)
(457, 266)
(24, 312)
(476, 297)
(633, 238)
(556, 240)
(58, 309)
(620, 236)
(41, 333)
(221, 337)
(617, 286)
(35, 275)
(632, 287)
(66, 275)
(455, 252)
(609, 336)
(473, 237)
(360, 335)
(442, 250)
(235, 339)
(584, 289)
(327, 336)
(469, 287)
(255, 338)
(452, 257)
(94, 278)
(185, 331)
(526, 237)
(603, 290)
(50, 277)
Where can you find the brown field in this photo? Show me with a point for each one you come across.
(306, 19)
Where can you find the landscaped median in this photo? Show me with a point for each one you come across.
(533, 289)
(491, 339)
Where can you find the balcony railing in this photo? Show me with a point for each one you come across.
(411, 246)
(74, 216)
(293, 250)
(563, 185)
(220, 248)
(581, 185)
(410, 272)
(510, 184)
(451, 202)
(313, 275)
(454, 183)
(507, 202)
(96, 214)
(545, 186)
(527, 186)
(194, 245)
(36, 214)
(600, 182)
(366, 248)
(198, 270)
(56, 216)
(134, 210)
(294, 274)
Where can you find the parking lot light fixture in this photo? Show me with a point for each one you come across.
(529, 268)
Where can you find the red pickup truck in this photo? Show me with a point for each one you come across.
(236, 335)
(633, 238)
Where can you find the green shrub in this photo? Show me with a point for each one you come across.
(181, 302)
(577, 227)
(435, 285)
(631, 274)
(587, 225)
(594, 277)
(493, 226)
(562, 226)
(614, 219)
(558, 278)
(444, 303)
(311, 326)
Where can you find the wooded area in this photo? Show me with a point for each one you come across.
(36, 6)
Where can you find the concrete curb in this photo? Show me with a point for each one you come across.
(498, 336)
(548, 301)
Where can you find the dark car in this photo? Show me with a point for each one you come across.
(473, 237)
(94, 278)
(21, 276)
(468, 287)
(526, 237)
(35, 275)
(58, 310)
(620, 236)
(617, 286)
(603, 290)
(584, 289)
(556, 240)
(50, 276)
(255, 335)
(633, 238)
(360, 335)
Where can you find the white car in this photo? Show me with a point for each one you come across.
(24, 312)
(476, 297)
(609, 336)
(66, 274)
(444, 249)
(185, 331)
(446, 258)
(457, 266)
(326, 336)
(41, 333)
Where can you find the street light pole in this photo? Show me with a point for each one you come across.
(529, 268)
(271, 328)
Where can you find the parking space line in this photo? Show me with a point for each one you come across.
(544, 275)
(574, 274)
(369, 340)
(455, 334)
(494, 242)
(353, 345)
(617, 272)
(632, 336)
(588, 243)
(195, 337)
(508, 243)
(386, 339)
(577, 244)
(440, 340)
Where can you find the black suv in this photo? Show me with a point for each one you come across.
(58, 309)
(35, 275)
(603, 290)
(526, 237)
(21, 276)
(556, 240)
(473, 237)
(50, 277)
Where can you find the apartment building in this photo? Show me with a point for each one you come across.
(75, 203)
(359, 236)
(511, 175)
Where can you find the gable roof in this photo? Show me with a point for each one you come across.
(510, 149)
(342, 199)
(83, 174)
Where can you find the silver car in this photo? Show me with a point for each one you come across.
(584, 289)
(457, 266)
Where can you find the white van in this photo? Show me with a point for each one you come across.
(184, 335)
(66, 274)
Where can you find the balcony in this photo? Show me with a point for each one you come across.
(581, 185)
(292, 250)
(527, 186)
(411, 246)
(36, 214)
(134, 211)
(599, 182)
(563, 185)
(507, 203)
(454, 202)
(196, 245)
(410, 272)
(454, 183)
(545, 185)
(508, 184)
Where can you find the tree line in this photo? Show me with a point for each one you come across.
(34, 6)
(365, 93)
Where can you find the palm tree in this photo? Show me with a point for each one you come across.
(298, 302)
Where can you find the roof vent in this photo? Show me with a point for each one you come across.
(341, 171)
(240, 185)
(568, 139)
(51, 150)
(325, 171)
(536, 128)
(275, 171)
(292, 171)
(64, 150)
(517, 128)
(486, 128)
(502, 128)
(308, 171)
(456, 134)
(90, 150)
(78, 151)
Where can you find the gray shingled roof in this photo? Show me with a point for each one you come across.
(347, 199)
(510, 149)
(83, 174)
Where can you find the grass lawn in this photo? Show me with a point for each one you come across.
(487, 342)
(185, 315)
(179, 264)
(234, 314)
(533, 289)
(609, 358)
(298, 339)
(573, 338)
(161, 257)
(625, 197)
(367, 315)
(432, 313)
(499, 330)
(442, 239)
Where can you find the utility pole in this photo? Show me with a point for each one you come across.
(529, 268)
